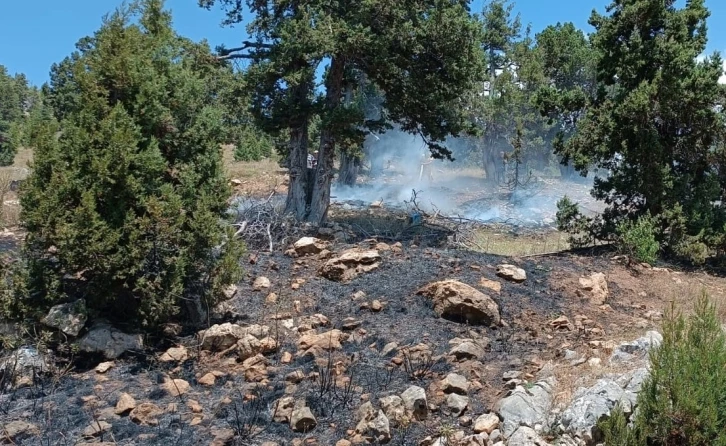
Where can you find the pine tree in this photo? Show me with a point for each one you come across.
(654, 123)
(14, 103)
(422, 54)
(126, 209)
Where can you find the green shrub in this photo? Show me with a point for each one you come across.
(683, 401)
(127, 208)
(637, 239)
(581, 230)
(253, 145)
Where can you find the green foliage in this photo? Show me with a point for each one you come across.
(17, 100)
(570, 220)
(683, 401)
(253, 145)
(126, 209)
(637, 239)
(654, 120)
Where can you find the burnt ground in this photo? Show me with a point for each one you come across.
(63, 405)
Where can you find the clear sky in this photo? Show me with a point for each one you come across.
(35, 34)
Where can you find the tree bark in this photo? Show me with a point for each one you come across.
(349, 168)
(297, 197)
(326, 153)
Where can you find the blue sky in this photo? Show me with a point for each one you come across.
(35, 34)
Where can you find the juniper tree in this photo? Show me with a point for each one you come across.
(15, 101)
(422, 54)
(654, 121)
(126, 208)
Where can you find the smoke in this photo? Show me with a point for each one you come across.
(394, 166)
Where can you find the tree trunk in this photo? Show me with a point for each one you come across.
(491, 160)
(297, 197)
(324, 172)
(349, 168)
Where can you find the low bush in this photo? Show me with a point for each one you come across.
(683, 401)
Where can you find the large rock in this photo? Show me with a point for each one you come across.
(526, 436)
(590, 405)
(302, 419)
(486, 423)
(597, 286)
(373, 424)
(414, 400)
(329, 340)
(68, 318)
(220, 337)
(146, 414)
(457, 404)
(525, 407)
(350, 264)
(309, 245)
(22, 366)
(636, 350)
(460, 302)
(511, 273)
(394, 408)
(103, 338)
(468, 349)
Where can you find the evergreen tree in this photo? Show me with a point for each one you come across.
(654, 123)
(422, 54)
(126, 208)
(15, 101)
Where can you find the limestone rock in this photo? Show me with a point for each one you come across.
(126, 403)
(261, 283)
(486, 423)
(146, 414)
(459, 302)
(329, 340)
(597, 286)
(220, 337)
(25, 363)
(16, 431)
(96, 428)
(454, 383)
(373, 423)
(394, 408)
(207, 380)
(526, 436)
(70, 318)
(457, 404)
(282, 410)
(176, 387)
(302, 419)
(104, 367)
(103, 338)
(175, 354)
(309, 245)
(350, 264)
(525, 407)
(638, 349)
(512, 273)
(414, 400)
(491, 284)
(467, 350)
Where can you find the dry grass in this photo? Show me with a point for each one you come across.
(258, 178)
(502, 241)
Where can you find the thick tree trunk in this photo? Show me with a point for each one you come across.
(297, 196)
(490, 161)
(324, 172)
(349, 168)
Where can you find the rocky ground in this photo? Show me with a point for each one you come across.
(330, 343)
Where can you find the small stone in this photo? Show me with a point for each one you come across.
(454, 383)
(271, 298)
(175, 354)
(491, 284)
(104, 367)
(594, 362)
(457, 404)
(261, 283)
(207, 380)
(376, 306)
(394, 408)
(126, 403)
(389, 348)
(176, 387)
(511, 273)
(467, 350)
(486, 423)
(146, 414)
(96, 428)
(68, 318)
(512, 374)
(286, 358)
